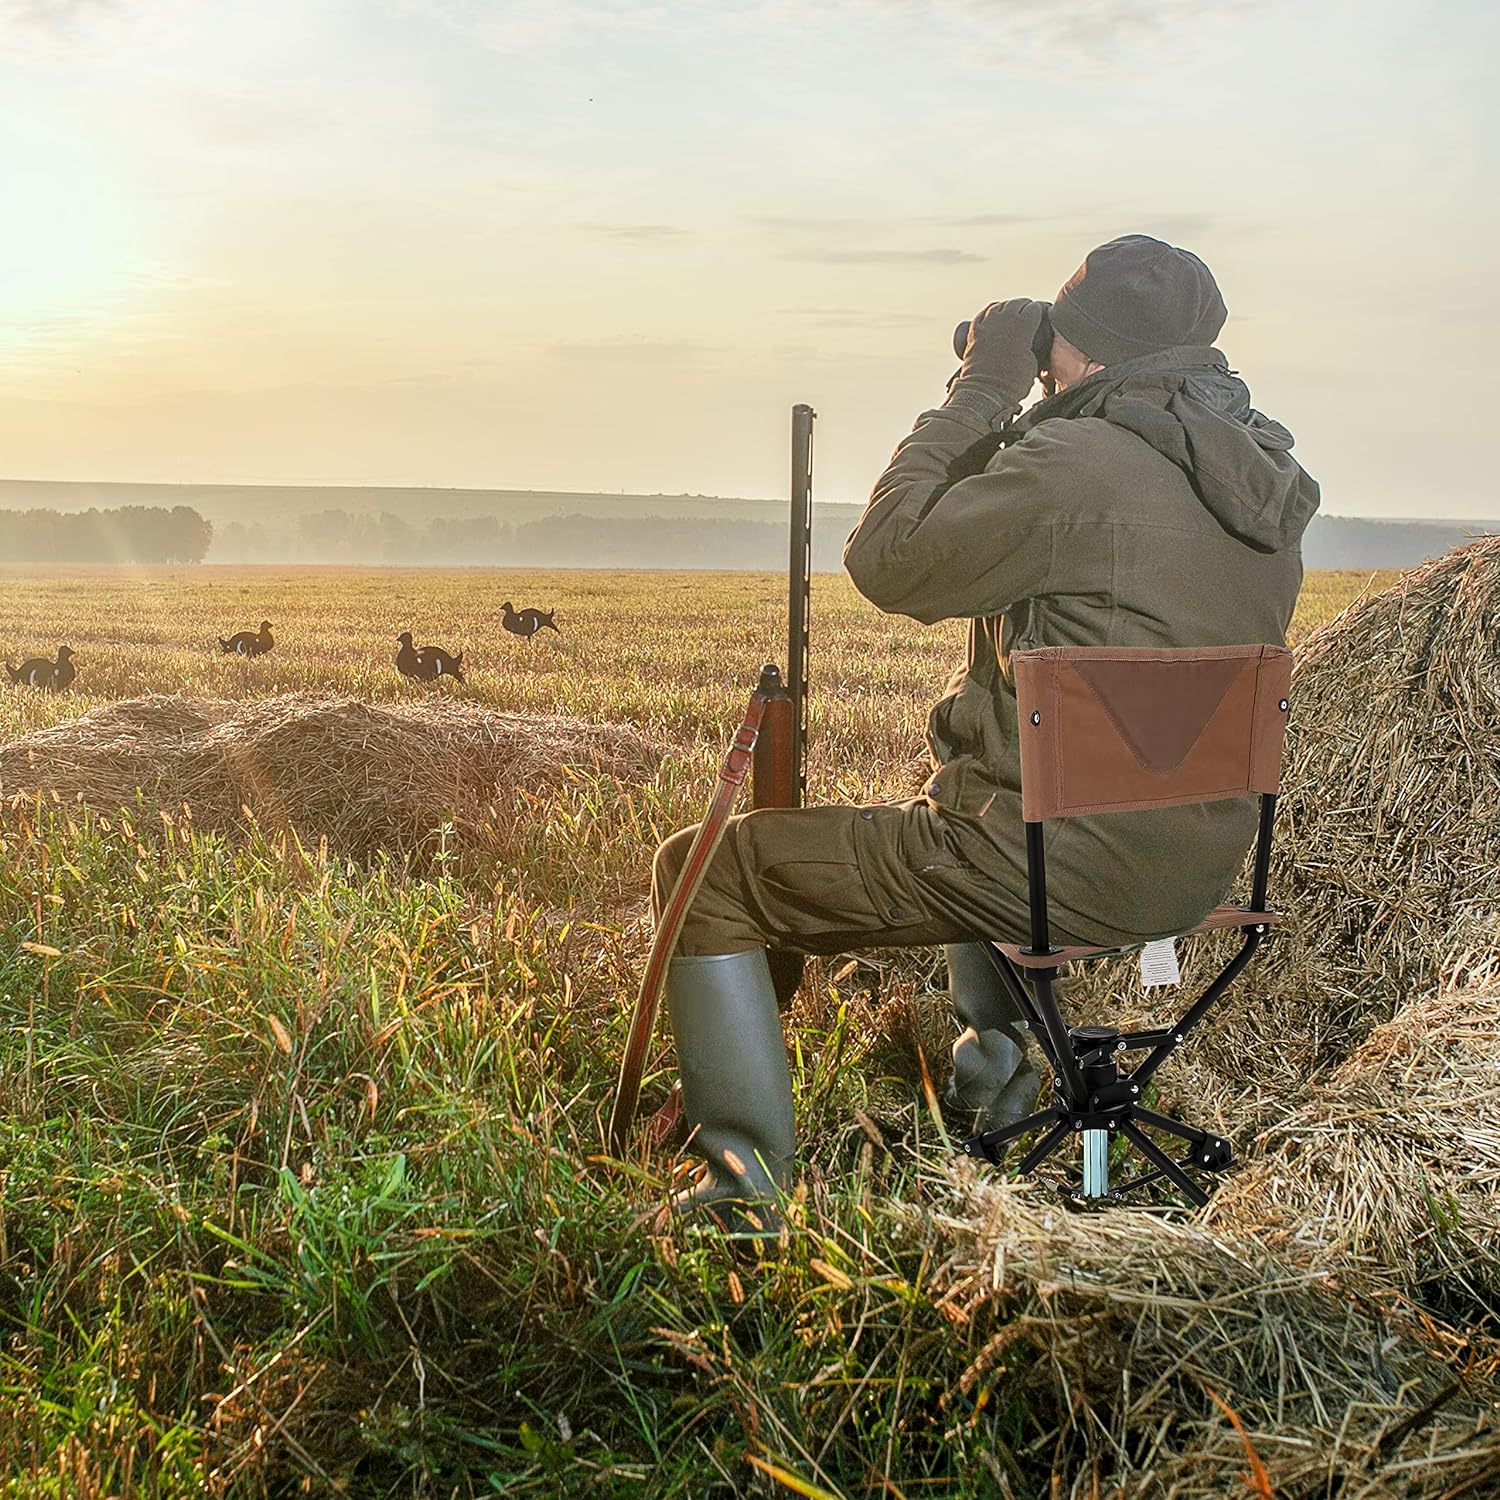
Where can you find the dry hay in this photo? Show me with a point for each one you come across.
(1341, 1295)
(367, 778)
(1388, 828)
(1391, 1165)
(1113, 1333)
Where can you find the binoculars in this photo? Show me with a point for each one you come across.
(1041, 344)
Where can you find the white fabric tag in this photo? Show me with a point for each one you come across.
(1159, 963)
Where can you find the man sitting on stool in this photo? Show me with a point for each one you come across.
(1143, 503)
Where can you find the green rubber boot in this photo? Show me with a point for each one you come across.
(994, 1083)
(736, 1087)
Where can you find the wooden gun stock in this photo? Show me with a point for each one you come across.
(775, 778)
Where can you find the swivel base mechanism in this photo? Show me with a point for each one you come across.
(1106, 1109)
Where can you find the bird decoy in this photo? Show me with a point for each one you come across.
(249, 642)
(51, 676)
(527, 621)
(436, 662)
(408, 659)
(427, 663)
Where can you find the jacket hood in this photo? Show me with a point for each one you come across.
(1189, 406)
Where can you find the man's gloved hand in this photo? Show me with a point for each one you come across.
(998, 367)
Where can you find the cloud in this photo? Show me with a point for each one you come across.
(826, 240)
(626, 349)
(528, 27)
(239, 119)
(849, 240)
(1089, 30)
(1179, 227)
(938, 256)
(1184, 227)
(1095, 30)
(995, 221)
(46, 30)
(856, 317)
(869, 224)
(637, 233)
(158, 277)
(819, 224)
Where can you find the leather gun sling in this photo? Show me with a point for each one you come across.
(710, 832)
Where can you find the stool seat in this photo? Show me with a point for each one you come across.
(1218, 920)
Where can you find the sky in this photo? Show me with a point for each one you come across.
(606, 245)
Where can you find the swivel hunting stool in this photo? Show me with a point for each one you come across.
(1114, 729)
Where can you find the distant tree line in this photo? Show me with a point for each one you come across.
(1354, 542)
(564, 541)
(131, 534)
(595, 541)
(179, 534)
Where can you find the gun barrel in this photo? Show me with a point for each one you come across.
(799, 593)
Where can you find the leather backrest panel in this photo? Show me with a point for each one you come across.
(1115, 728)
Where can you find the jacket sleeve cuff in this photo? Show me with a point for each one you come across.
(977, 407)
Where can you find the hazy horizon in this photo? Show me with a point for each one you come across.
(695, 496)
(602, 245)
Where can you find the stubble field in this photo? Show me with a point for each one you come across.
(672, 652)
(300, 1175)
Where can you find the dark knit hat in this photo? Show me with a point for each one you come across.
(1135, 296)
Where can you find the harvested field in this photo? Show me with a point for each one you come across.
(365, 778)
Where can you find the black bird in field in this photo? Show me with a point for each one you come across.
(527, 621)
(408, 658)
(249, 642)
(51, 676)
(427, 663)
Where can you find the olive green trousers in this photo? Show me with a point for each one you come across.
(824, 880)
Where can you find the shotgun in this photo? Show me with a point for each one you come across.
(771, 745)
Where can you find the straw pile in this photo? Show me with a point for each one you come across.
(1391, 1165)
(1109, 1337)
(1389, 823)
(366, 778)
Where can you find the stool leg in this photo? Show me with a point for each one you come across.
(1178, 1128)
(988, 1142)
(1044, 1147)
(1164, 1164)
(1095, 1163)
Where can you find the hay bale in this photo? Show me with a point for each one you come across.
(1389, 823)
(367, 778)
(1103, 1335)
(1391, 1166)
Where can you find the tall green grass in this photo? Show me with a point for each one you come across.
(302, 1180)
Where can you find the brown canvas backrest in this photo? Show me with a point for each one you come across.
(1115, 728)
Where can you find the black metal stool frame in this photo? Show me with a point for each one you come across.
(1093, 1095)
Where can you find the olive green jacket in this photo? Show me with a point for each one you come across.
(1149, 505)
